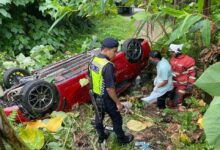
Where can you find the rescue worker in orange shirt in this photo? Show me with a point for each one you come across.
(183, 71)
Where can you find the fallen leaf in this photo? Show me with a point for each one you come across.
(34, 138)
(200, 123)
(36, 124)
(54, 124)
(179, 139)
(173, 128)
(197, 135)
(202, 103)
(136, 125)
(184, 138)
(83, 82)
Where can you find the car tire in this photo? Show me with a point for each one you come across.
(39, 97)
(11, 76)
(132, 50)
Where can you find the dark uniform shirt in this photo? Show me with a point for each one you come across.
(108, 75)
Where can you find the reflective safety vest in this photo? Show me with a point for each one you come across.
(95, 69)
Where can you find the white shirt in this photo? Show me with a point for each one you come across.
(163, 73)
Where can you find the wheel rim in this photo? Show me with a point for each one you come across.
(15, 77)
(40, 97)
(133, 50)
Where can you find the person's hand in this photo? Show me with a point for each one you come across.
(155, 88)
(119, 106)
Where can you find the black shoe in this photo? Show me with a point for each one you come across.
(126, 139)
(103, 137)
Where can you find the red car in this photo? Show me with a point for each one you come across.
(57, 86)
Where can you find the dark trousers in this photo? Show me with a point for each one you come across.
(178, 98)
(111, 109)
(161, 101)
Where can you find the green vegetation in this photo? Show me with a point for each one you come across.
(36, 33)
(209, 82)
(184, 22)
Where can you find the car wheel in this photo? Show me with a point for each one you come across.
(12, 76)
(39, 97)
(132, 49)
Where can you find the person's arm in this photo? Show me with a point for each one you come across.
(164, 75)
(108, 75)
(114, 97)
(162, 84)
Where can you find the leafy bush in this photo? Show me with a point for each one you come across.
(19, 36)
(184, 23)
(40, 56)
(29, 26)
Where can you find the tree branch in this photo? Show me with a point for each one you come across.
(8, 134)
(163, 28)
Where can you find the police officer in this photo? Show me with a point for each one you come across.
(101, 72)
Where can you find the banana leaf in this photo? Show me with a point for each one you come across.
(209, 81)
(212, 123)
(206, 32)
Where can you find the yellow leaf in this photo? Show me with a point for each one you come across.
(36, 124)
(179, 140)
(137, 125)
(34, 138)
(202, 103)
(83, 82)
(200, 123)
(54, 123)
(184, 138)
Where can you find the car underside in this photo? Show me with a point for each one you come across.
(58, 86)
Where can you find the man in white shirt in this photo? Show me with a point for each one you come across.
(163, 83)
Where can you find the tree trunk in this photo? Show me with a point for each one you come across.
(207, 8)
(175, 4)
(2, 147)
(8, 134)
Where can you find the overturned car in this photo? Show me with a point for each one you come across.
(58, 86)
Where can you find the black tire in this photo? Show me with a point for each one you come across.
(12, 76)
(39, 97)
(132, 49)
